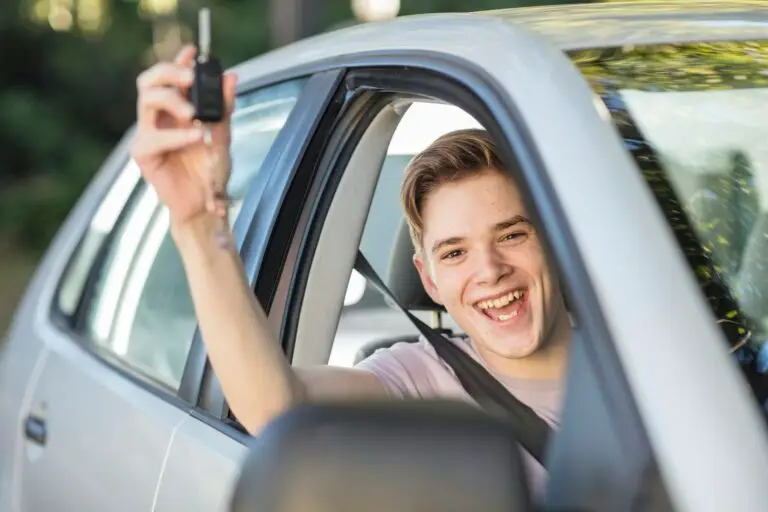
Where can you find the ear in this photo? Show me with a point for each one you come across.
(426, 279)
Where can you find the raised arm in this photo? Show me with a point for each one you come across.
(257, 380)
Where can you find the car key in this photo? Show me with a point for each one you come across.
(207, 98)
(207, 92)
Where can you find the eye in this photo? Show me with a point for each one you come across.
(452, 255)
(514, 236)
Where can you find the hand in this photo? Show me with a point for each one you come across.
(190, 177)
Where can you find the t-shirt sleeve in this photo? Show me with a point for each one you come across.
(401, 369)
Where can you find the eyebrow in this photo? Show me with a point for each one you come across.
(500, 226)
(517, 219)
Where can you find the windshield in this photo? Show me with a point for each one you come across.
(695, 119)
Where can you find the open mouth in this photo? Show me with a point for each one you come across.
(505, 307)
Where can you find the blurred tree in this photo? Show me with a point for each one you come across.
(292, 20)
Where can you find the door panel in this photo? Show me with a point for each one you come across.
(23, 352)
(202, 459)
(105, 438)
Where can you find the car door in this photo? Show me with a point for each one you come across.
(207, 447)
(107, 401)
(618, 430)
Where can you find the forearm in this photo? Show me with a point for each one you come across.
(254, 374)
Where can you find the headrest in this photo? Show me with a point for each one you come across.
(403, 278)
(380, 457)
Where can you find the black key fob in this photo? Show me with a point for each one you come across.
(207, 91)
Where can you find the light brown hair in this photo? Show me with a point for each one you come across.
(452, 157)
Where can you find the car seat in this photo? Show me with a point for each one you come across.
(405, 284)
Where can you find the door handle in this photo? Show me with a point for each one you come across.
(35, 430)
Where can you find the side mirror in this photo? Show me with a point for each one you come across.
(376, 457)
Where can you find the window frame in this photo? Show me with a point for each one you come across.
(529, 172)
(118, 162)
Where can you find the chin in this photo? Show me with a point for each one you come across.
(512, 348)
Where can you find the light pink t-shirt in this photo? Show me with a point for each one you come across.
(414, 370)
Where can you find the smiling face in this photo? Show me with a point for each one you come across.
(481, 258)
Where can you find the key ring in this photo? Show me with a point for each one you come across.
(217, 197)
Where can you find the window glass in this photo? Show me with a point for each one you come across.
(139, 310)
(101, 225)
(695, 120)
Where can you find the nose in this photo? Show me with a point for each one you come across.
(491, 267)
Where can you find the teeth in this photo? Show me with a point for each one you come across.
(501, 301)
(504, 318)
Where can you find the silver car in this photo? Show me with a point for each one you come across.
(638, 133)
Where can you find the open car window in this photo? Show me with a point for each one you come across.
(698, 135)
(421, 125)
(368, 317)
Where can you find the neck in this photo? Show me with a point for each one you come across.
(547, 362)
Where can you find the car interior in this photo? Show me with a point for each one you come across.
(402, 280)
(386, 244)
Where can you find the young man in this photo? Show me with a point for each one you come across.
(475, 250)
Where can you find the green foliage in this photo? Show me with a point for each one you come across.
(705, 66)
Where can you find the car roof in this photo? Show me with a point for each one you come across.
(567, 27)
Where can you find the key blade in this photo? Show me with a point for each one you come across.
(204, 32)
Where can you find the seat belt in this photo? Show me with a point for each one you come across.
(530, 429)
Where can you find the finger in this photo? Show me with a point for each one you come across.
(155, 100)
(229, 85)
(221, 205)
(158, 142)
(186, 56)
(165, 74)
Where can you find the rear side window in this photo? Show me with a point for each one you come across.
(125, 291)
(695, 119)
